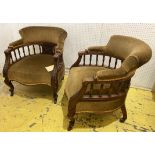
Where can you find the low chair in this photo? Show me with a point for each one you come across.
(26, 58)
(98, 82)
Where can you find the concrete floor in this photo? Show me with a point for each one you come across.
(31, 109)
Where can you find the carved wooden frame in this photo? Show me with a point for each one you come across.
(110, 94)
(44, 48)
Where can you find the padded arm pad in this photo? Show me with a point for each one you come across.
(129, 64)
(16, 43)
(97, 48)
(110, 74)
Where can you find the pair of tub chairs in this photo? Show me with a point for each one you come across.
(98, 81)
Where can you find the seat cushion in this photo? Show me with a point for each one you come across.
(76, 76)
(31, 70)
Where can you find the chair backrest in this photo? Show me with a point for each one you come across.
(133, 51)
(44, 34)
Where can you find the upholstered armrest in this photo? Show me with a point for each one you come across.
(110, 74)
(97, 48)
(128, 65)
(16, 43)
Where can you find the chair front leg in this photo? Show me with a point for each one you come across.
(123, 108)
(72, 105)
(71, 124)
(54, 84)
(71, 113)
(5, 71)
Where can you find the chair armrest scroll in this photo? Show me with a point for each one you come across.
(8, 51)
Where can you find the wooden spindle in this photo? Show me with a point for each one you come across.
(90, 59)
(11, 58)
(101, 89)
(103, 60)
(34, 49)
(23, 51)
(96, 59)
(40, 48)
(110, 89)
(109, 61)
(19, 53)
(84, 58)
(115, 62)
(28, 50)
(15, 55)
(91, 90)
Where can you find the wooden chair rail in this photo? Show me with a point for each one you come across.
(17, 53)
(105, 90)
(105, 60)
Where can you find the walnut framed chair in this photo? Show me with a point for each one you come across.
(26, 58)
(101, 76)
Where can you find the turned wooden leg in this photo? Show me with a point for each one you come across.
(55, 96)
(71, 114)
(123, 108)
(9, 83)
(54, 89)
(71, 124)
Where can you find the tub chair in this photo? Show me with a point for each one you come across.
(26, 58)
(99, 80)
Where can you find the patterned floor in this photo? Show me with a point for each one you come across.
(31, 109)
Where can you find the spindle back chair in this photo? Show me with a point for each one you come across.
(25, 61)
(103, 78)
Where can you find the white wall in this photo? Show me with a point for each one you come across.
(80, 36)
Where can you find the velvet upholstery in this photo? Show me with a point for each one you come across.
(26, 58)
(42, 34)
(133, 53)
(31, 70)
(45, 34)
(77, 76)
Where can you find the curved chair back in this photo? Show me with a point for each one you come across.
(134, 51)
(44, 34)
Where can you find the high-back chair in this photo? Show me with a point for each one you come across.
(26, 59)
(100, 83)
